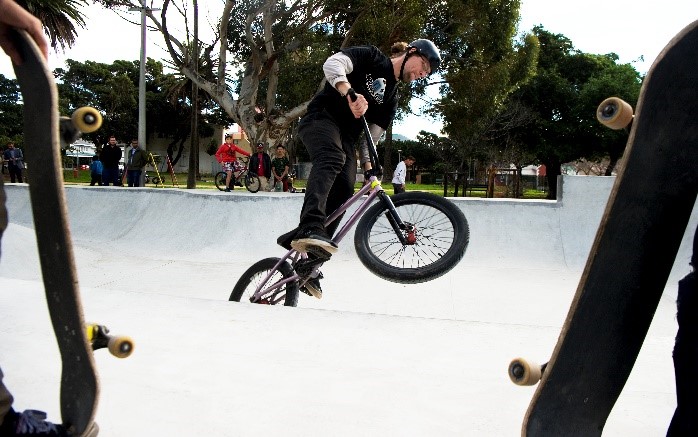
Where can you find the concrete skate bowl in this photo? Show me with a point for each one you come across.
(196, 243)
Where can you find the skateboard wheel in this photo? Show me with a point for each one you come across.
(523, 372)
(87, 119)
(120, 347)
(614, 113)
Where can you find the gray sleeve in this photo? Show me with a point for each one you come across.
(336, 68)
(376, 134)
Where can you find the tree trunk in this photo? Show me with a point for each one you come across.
(193, 174)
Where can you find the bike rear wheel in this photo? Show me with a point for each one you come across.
(220, 180)
(249, 281)
(252, 183)
(438, 243)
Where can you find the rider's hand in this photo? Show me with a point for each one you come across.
(359, 106)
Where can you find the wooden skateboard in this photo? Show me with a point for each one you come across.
(44, 132)
(632, 255)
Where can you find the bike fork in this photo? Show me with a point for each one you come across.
(394, 219)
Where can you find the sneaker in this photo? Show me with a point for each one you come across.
(227, 190)
(312, 287)
(286, 239)
(316, 241)
(28, 423)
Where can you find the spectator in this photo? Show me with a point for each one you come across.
(400, 174)
(135, 163)
(226, 155)
(15, 162)
(96, 171)
(280, 167)
(110, 157)
(260, 164)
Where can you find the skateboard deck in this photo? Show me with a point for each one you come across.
(42, 136)
(632, 255)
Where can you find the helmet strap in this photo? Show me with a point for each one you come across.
(404, 61)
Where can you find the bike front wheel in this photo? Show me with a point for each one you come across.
(437, 243)
(254, 276)
(220, 180)
(252, 183)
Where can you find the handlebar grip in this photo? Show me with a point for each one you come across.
(352, 94)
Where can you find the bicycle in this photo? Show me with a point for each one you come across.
(408, 238)
(252, 182)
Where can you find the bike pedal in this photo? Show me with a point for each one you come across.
(306, 266)
(319, 253)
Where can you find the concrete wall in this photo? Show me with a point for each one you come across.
(205, 224)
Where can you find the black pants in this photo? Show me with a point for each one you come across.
(95, 179)
(333, 175)
(15, 173)
(685, 420)
(398, 188)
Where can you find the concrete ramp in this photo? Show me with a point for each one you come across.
(371, 358)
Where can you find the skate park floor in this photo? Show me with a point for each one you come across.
(371, 358)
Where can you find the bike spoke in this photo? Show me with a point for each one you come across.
(434, 236)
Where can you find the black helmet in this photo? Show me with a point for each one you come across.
(429, 50)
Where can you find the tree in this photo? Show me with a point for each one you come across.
(484, 63)
(11, 126)
(275, 49)
(113, 90)
(58, 17)
(563, 96)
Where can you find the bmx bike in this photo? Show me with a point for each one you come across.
(408, 238)
(240, 174)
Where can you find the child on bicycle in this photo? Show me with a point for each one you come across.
(227, 157)
(332, 126)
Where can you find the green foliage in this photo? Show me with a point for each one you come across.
(10, 113)
(57, 17)
(563, 97)
(113, 90)
(485, 63)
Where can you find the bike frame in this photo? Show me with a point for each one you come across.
(374, 189)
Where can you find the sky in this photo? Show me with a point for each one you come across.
(637, 33)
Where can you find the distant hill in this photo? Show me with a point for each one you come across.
(399, 137)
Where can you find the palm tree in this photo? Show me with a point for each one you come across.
(58, 17)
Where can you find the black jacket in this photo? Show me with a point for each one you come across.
(254, 163)
(110, 156)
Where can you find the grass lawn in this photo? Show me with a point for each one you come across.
(206, 182)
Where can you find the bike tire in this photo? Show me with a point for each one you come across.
(252, 183)
(220, 180)
(441, 239)
(248, 282)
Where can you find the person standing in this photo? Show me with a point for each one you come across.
(96, 171)
(333, 125)
(401, 173)
(15, 162)
(260, 164)
(135, 163)
(110, 157)
(280, 166)
(226, 155)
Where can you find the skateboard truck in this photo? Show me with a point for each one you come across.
(98, 335)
